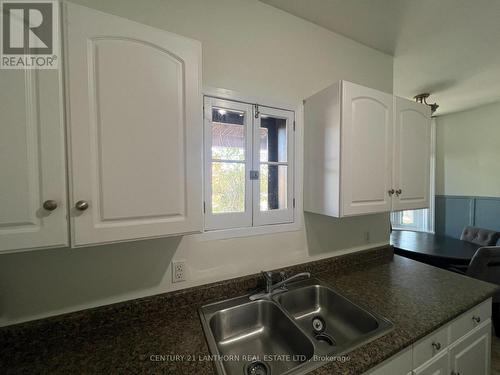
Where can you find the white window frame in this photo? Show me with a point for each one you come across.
(252, 221)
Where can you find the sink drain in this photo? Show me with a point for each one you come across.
(257, 368)
(325, 337)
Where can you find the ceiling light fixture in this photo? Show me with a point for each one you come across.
(422, 98)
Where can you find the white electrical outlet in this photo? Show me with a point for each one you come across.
(178, 271)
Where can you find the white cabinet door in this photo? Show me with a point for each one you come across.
(471, 354)
(135, 129)
(436, 366)
(412, 149)
(366, 150)
(32, 168)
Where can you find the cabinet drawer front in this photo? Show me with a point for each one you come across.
(430, 346)
(470, 320)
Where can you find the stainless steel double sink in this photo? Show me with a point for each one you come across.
(289, 332)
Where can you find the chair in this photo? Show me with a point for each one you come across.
(485, 265)
(480, 236)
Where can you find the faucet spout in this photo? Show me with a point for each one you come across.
(302, 275)
(272, 288)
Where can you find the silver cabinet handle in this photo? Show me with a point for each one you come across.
(398, 192)
(81, 205)
(436, 345)
(390, 192)
(477, 319)
(50, 205)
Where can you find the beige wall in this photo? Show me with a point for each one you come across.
(248, 47)
(468, 152)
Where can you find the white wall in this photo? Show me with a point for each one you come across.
(248, 47)
(468, 152)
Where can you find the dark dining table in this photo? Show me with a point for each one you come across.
(435, 249)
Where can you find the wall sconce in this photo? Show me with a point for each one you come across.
(422, 98)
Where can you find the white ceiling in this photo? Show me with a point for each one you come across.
(450, 48)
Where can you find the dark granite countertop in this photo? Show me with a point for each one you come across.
(132, 337)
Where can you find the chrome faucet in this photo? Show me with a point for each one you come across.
(279, 287)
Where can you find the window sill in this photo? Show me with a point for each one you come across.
(223, 234)
(411, 230)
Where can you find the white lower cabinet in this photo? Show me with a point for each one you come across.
(462, 347)
(471, 354)
(399, 364)
(436, 366)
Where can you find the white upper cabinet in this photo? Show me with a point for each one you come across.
(412, 150)
(32, 169)
(135, 129)
(359, 159)
(348, 151)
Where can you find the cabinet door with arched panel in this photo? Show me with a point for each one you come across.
(135, 129)
(366, 150)
(412, 152)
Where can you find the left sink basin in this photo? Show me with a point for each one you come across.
(244, 335)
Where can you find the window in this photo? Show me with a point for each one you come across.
(417, 220)
(248, 165)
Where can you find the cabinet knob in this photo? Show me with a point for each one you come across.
(399, 191)
(50, 205)
(477, 319)
(391, 192)
(81, 205)
(436, 345)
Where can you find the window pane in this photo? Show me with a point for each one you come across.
(408, 217)
(228, 134)
(272, 139)
(273, 187)
(228, 187)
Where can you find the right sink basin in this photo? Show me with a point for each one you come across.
(332, 320)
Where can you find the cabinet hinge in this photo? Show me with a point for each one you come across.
(204, 208)
(293, 202)
(293, 125)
